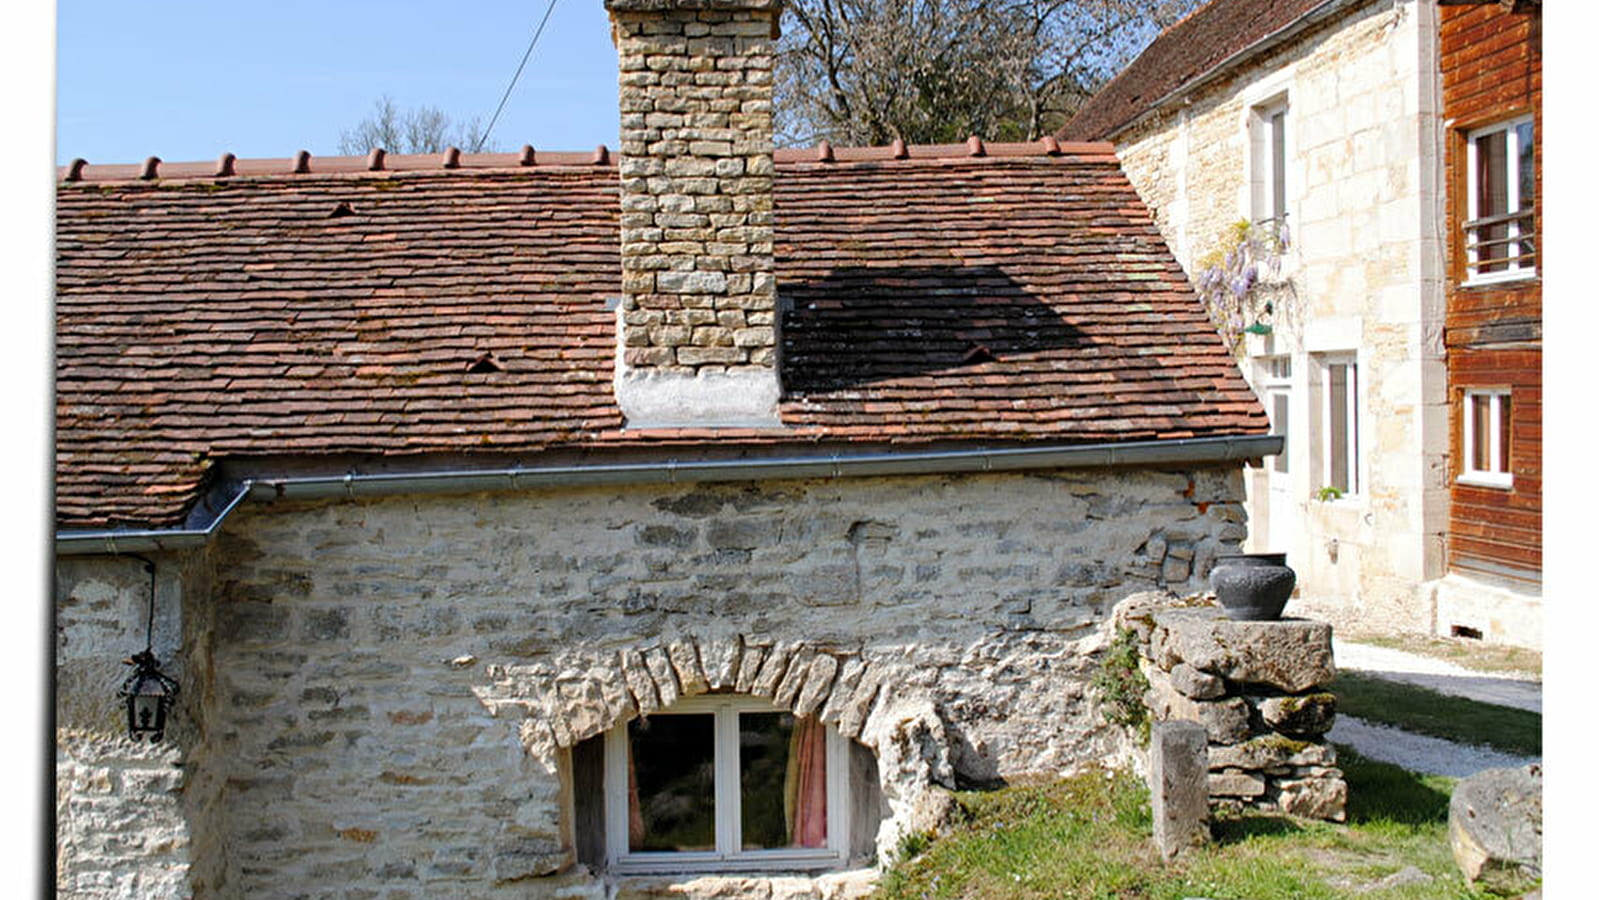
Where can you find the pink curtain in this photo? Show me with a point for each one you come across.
(805, 787)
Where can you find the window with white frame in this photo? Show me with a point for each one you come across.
(1485, 437)
(1277, 387)
(1501, 239)
(1341, 424)
(724, 782)
(1268, 174)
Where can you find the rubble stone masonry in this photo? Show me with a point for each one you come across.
(381, 695)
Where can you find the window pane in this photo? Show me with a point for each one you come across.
(1526, 183)
(1504, 433)
(1493, 199)
(1492, 188)
(1481, 432)
(1279, 164)
(1339, 428)
(672, 783)
(782, 781)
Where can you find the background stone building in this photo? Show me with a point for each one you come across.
(518, 523)
(1314, 132)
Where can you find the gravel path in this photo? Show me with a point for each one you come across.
(1417, 752)
(1499, 689)
(1420, 753)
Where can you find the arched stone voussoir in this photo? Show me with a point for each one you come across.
(585, 692)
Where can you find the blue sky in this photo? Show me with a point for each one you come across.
(188, 81)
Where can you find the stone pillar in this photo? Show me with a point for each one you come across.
(1259, 691)
(698, 321)
(1179, 786)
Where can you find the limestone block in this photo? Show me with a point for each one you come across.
(1226, 720)
(773, 668)
(1178, 786)
(849, 676)
(685, 661)
(1303, 715)
(1270, 751)
(1496, 826)
(660, 670)
(818, 685)
(1311, 798)
(639, 682)
(1292, 655)
(749, 666)
(721, 658)
(1191, 682)
(1235, 783)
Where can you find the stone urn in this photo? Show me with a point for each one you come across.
(1252, 587)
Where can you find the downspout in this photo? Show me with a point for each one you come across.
(854, 465)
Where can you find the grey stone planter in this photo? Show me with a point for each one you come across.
(1252, 587)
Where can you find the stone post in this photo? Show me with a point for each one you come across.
(1179, 786)
(698, 321)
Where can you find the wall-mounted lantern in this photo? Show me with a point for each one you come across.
(148, 693)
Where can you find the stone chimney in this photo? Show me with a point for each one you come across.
(697, 325)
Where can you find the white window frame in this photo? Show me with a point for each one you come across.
(1515, 269)
(1266, 137)
(1351, 411)
(1276, 384)
(1471, 471)
(729, 854)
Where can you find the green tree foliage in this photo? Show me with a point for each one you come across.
(863, 72)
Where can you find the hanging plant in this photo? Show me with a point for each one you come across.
(1229, 279)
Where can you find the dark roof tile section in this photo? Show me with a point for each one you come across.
(943, 297)
(1186, 51)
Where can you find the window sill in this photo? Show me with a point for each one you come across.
(1496, 278)
(1498, 480)
(754, 865)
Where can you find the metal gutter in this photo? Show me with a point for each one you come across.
(671, 471)
(71, 543)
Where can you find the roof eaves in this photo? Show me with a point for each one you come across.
(1260, 45)
(1218, 450)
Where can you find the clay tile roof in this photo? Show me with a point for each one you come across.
(1019, 295)
(1184, 53)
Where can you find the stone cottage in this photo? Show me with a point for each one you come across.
(560, 525)
(1323, 145)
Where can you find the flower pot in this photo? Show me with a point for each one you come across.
(1252, 587)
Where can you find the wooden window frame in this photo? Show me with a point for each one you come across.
(729, 855)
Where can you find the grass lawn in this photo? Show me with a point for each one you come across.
(1089, 837)
(1440, 715)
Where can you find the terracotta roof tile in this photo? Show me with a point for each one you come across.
(1020, 295)
(1183, 53)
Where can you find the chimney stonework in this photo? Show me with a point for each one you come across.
(698, 321)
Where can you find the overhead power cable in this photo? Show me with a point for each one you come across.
(508, 88)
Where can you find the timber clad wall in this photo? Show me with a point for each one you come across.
(1492, 66)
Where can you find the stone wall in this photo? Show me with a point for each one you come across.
(1259, 689)
(1363, 276)
(393, 685)
(126, 814)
